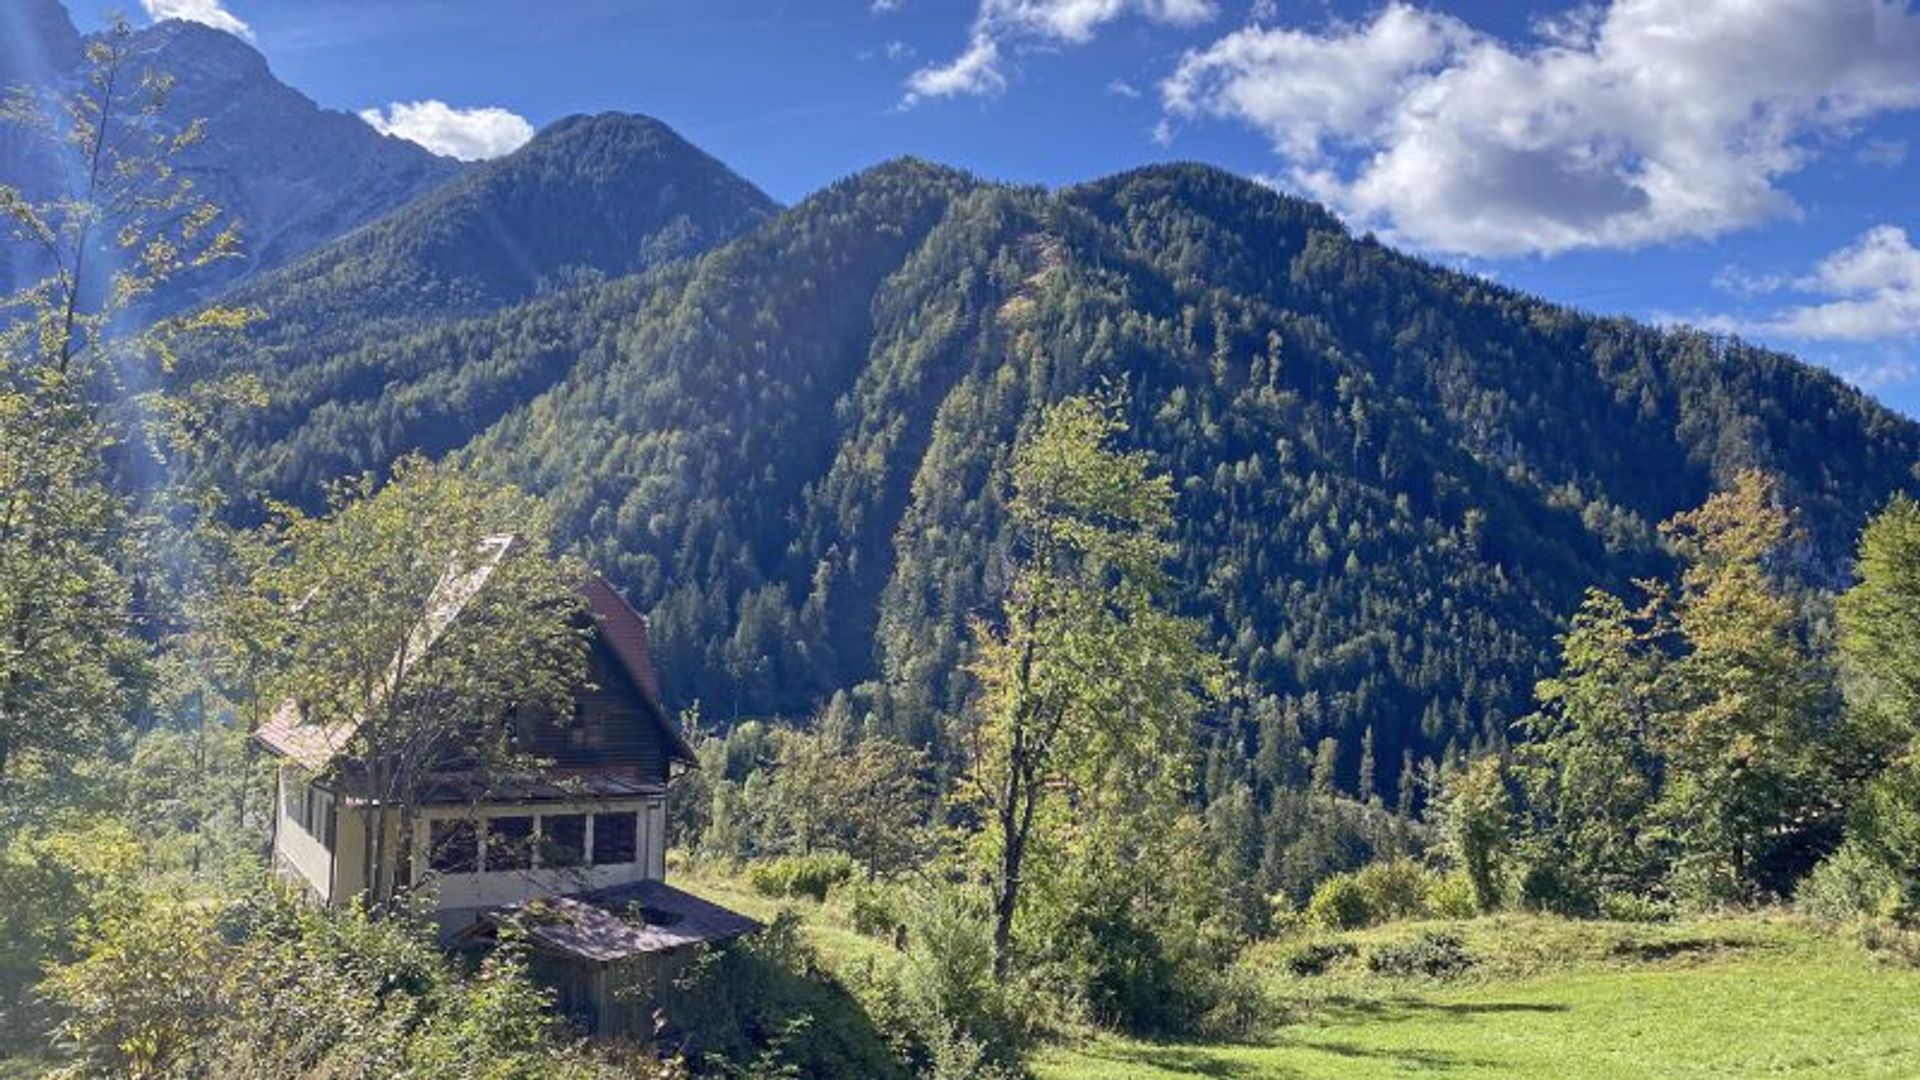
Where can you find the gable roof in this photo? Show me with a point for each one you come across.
(624, 632)
(622, 629)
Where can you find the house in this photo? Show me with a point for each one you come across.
(572, 852)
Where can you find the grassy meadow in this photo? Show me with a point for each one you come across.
(1717, 999)
(1734, 996)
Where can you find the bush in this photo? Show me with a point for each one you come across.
(1548, 883)
(1376, 893)
(1339, 904)
(1452, 897)
(1851, 884)
(761, 1006)
(265, 986)
(1434, 954)
(947, 977)
(873, 909)
(1394, 889)
(1622, 906)
(1315, 957)
(811, 876)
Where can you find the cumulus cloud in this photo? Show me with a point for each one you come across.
(1617, 126)
(1871, 289)
(467, 134)
(977, 71)
(206, 12)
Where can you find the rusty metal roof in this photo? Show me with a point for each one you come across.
(609, 925)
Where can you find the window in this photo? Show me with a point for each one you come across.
(563, 840)
(613, 837)
(509, 843)
(453, 847)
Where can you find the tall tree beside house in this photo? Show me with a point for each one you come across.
(1089, 683)
(377, 653)
(110, 222)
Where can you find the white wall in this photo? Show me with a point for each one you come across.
(297, 852)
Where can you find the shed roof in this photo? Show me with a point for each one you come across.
(613, 924)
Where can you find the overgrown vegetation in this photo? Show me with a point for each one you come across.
(1114, 608)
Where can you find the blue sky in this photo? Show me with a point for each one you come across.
(1745, 165)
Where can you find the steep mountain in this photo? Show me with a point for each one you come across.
(1395, 480)
(293, 174)
(379, 328)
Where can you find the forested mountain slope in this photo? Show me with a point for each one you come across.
(371, 342)
(1395, 480)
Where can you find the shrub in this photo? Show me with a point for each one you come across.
(1394, 889)
(761, 1006)
(947, 977)
(1451, 896)
(811, 876)
(1435, 954)
(1548, 883)
(1376, 893)
(1621, 906)
(1851, 884)
(1315, 957)
(1339, 904)
(873, 909)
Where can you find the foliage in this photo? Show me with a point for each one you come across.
(424, 614)
(1691, 746)
(1338, 904)
(1435, 954)
(1476, 819)
(1089, 686)
(764, 1007)
(76, 404)
(1851, 884)
(808, 876)
(59, 886)
(1747, 787)
(264, 986)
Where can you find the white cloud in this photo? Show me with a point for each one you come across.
(1123, 88)
(206, 12)
(977, 71)
(467, 134)
(1617, 126)
(1872, 291)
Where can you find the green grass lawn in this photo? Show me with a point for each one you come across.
(1726, 998)
(1747, 996)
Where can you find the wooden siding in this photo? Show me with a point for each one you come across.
(613, 726)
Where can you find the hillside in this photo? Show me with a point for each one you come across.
(293, 174)
(372, 341)
(1395, 480)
